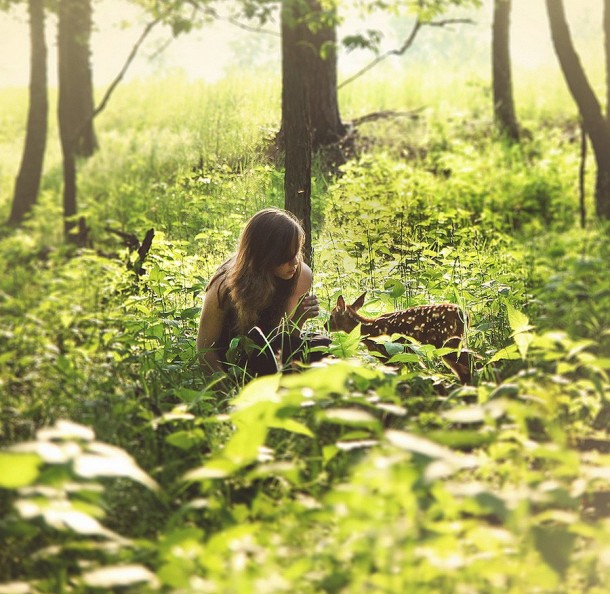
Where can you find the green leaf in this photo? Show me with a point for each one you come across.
(65, 430)
(252, 428)
(322, 381)
(404, 358)
(262, 389)
(16, 588)
(288, 470)
(62, 515)
(416, 444)
(393, 348)
(476, 413)
(345, 345)
(520, 326)
(190, 313)
(349, 416)
(116, 576)
(394, 287)
(347, 446)
(185, 440)
(18, 470)
(291, 425)
(554, 542)
(510, 353)
(217, 468)
(517, 320)
(106, 460)
(460, 439)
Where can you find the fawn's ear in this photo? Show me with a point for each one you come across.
(341, 303)
(359, 302)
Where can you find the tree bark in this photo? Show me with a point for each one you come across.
(76, 103)
(607, 52)
(590, 110)
(317, 34)
(75, 108)
(326, 125)
(296, 119)
(27, 184)
(504, 106)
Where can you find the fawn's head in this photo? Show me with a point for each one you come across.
(344, 317)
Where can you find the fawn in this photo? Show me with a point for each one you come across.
(440, 325)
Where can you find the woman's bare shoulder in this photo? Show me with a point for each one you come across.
(217, 288)
(305, 279)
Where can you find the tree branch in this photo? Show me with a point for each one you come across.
(213, 13)
(128, 61)
(395, 52)
(405, 46)
(446, 22)
(250, 29)
(382, 115)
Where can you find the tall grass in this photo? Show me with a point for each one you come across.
(170, 148)
(151, 130)
(155, 129)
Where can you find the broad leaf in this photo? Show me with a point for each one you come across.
(18, 470)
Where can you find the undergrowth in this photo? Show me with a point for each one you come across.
(123, 468)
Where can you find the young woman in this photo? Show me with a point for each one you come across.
(260, 293)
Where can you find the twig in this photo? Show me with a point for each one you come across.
(405, 46)
(212, 12)
(250, 29)
(128, 61)
(102, 105)
(446, 22)
(395, 52)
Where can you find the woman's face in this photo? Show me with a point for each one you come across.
(287, 270)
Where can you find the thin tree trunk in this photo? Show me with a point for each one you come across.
(607, 52)
(76, 104)
(504, 106)
(69, 196)
(27, 184)
(296, 120)
(590, 110)
(582, 170)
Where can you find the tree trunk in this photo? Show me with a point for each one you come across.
(76, 103)
(317, 34)
(321, 76)
(504, 106)
(27, 183)
(296, 119)
(69, 196)
(607, 52)
(590, 110)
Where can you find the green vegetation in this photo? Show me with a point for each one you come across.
(121, 469)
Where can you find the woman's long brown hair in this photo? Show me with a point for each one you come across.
(270, 238)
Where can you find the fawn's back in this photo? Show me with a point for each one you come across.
(439, 325)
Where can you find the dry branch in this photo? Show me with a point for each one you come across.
(386, 114)
(405, 46)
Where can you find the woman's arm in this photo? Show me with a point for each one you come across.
(301, 305)
(210, 327)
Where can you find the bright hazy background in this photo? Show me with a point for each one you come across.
(211, 52)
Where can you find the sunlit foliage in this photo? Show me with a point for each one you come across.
(122, 467)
